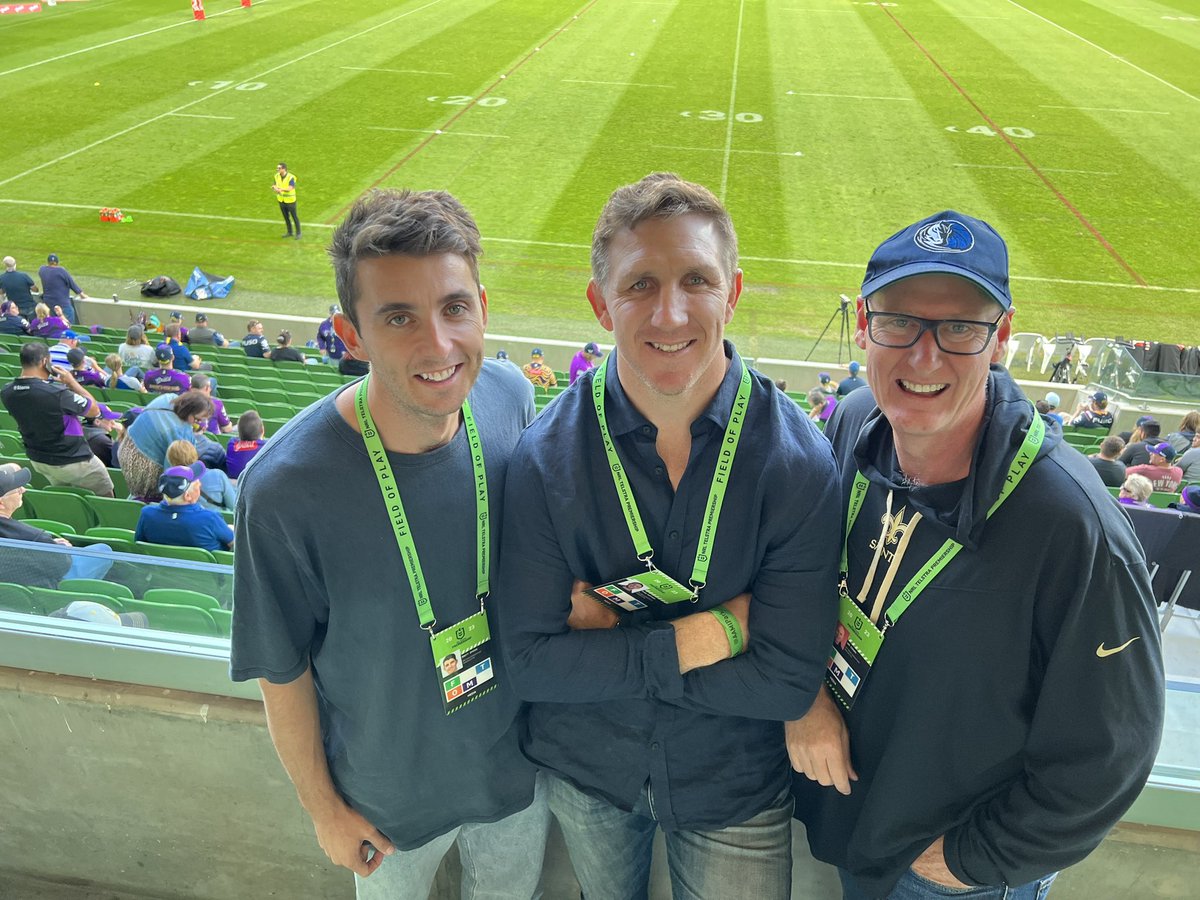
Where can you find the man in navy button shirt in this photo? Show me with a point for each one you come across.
(653, 724)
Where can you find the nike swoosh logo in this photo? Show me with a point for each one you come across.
(1102, 651)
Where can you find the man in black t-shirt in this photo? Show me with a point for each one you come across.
(254, 343)
(46, 401)
(1111, 469)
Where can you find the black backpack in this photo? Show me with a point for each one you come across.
(161, 286)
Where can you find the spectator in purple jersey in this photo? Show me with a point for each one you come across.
(85, 369)
(583, 360)
(44, 325)
(218, 422)
(165, 379)
(250, 440)
(330, 344)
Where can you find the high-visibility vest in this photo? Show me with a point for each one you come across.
(287, 187)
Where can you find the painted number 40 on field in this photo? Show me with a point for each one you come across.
(715, 115)
(1011, 131)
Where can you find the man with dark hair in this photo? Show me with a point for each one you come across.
(166, 379)
(85, 369)
(997, 669)
(1147, 434)
(320, 618)
(11, 320)
(254, 343)
(1106, 463)
(249, 441)
(1094, 413)
(46, 399)
(218, 422)
(670, 455)
(185, 360)
(18, 287)
(57, 285)
(285, 193)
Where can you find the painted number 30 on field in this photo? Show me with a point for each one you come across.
(715, 115)
(1011, 131)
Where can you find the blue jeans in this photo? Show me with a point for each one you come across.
(90, 566)
(500, 860)
(610, 850)
(912, 886)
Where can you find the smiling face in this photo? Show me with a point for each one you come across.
(667, 300)
(421, 323)
(924, 391)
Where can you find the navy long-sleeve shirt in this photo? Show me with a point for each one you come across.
(610, 710)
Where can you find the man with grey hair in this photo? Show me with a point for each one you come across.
(619, 496)
(394, 757)
(19, 287)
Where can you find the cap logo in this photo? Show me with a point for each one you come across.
(944, 236)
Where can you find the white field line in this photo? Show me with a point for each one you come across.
(817, 263)
(450, 133)
(211, 94)
(1144, 112)
(1109, 53)
(720, 150)
(1026, 169)
(618, 83)
(200, 116)
(394, 71)
(737, 56)
(128, 37)
(849, 96)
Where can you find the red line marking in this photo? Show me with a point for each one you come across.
(462, 112)
(1020, 153)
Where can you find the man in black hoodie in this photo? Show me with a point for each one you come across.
(996, 732)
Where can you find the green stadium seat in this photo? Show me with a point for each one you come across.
(182, 619)
(116, 512)
(50, 600)
(17, 598)
(11, 443)
(109, 531)
(87, 540)
(166, 551)
(236, 392)
(224, 620)
(120, 487)
(1161, 499)
(71, 489)
(62, 507)
(59, 528)
(223, 557)
(96, 586)
(181, 598)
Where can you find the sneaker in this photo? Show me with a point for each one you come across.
(288, 235)
(297, 235)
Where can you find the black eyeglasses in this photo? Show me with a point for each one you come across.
(960, 337)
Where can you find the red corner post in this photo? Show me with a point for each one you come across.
(198, 10)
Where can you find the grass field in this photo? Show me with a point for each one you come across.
(1074, 127)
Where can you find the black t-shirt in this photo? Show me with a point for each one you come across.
(287, 354)
(39, 405)
(1137, 453)
(1112, 471)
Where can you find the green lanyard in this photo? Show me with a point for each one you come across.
(391, 497)
(1026, 454)
(716, 493)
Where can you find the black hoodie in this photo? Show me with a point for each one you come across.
(989, 716)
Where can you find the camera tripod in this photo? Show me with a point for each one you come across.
(845, 332)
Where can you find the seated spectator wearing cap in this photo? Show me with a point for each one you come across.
(136, 353)
(1165, 477)
(117, 380)
(48, 326)
(1093, 413)
(177, 320)
(584, 360)
(102, 433)
(216, 490)
(1190, 461)
(185, 360)
(254, 343)
(98, 614)
(179, 520)
(284, 351)
(1144, 436)
(41, 569)
(166, 379)
(18, 287)
(202, 334)
(1189, 500)
(218, 422)
(46, 401)
(1053, 401)
(1136, 491)
(85, 369)
(1053, 424)
(1136, 434)
(1111, 469)
(1181, 440)
(330, 344)
(249, 441)
(822, 405)
(825, 384)
(853, 383)
(67, 341)
(539, 374)
(143, 452)
(11, 320)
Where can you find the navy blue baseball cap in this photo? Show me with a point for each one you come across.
(949, 243)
